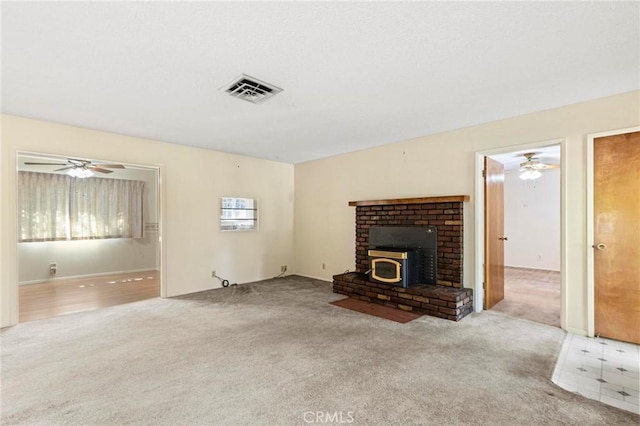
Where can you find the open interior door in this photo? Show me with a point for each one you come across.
(493, 232)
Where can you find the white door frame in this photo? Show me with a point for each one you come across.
(591, 303)
(479, 221)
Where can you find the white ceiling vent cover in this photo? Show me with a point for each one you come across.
(251, 89)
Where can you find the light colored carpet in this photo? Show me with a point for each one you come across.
(531, 294)
(275, 351)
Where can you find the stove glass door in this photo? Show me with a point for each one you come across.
(386, 270)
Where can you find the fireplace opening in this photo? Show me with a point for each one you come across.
(403, 256)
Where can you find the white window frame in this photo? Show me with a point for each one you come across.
(239, 210)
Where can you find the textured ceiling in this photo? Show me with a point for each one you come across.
(354, 74)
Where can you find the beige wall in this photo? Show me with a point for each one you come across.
(192, 182)
(444, 164)
(194, 179)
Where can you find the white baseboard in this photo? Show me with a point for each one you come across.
(530, 267)
(314, 278)
(71, 277)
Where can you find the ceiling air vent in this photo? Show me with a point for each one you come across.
(251, 89)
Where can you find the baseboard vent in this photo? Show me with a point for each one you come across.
(251, 89)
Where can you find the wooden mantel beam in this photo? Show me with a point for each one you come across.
(419, 200)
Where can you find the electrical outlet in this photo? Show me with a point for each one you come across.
(213, 273)
(283, 268)
(53, 268)
(539, 257)
(324, 266)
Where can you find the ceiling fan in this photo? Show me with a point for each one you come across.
(531, 168)
(80, 168)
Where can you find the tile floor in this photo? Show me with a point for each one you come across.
(601, 369)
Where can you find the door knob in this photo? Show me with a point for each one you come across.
(600, 246)
(503, 238)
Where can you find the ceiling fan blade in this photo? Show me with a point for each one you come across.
(45, 164)
(111, 166)
(65, 168)
(78, 161)
(99, 169)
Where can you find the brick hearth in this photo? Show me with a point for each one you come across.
(435, 300)
(448, 299)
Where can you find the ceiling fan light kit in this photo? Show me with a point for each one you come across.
(532, 168)
(529, 174)
(80, 173)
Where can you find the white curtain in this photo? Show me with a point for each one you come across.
(106, 208)
(43, 206)
(59, 207)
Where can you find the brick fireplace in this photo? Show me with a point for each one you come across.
(448, 299)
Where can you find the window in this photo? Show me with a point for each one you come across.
(58, 207)
(238, 214)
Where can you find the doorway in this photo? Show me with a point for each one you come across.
(91, 254)
(521, 254)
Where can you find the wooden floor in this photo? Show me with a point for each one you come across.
(60, 297)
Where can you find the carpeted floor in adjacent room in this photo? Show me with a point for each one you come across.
(276, 352)
(532, 294)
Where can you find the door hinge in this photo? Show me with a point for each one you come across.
(484, 173)
(484, 286)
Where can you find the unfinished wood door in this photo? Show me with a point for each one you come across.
(616, 248)
(493, 232)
